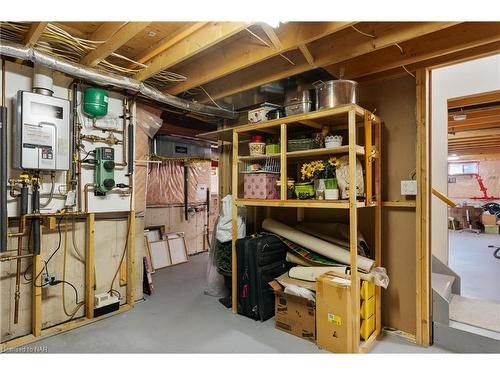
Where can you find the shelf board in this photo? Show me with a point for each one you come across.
(360, 150)
(306, 203)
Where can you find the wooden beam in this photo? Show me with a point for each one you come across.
(89, 266)
(483, 98)
(271, 34)
(202, 39)
(118, 39)
(34, 33)
(307, 54)
(232, 58)
(326, 51)
(453, 39)
(167, 42)
(106, 30)
(423, 266)
(131, 260)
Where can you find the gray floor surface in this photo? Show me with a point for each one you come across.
(179, 318)
(472, 259)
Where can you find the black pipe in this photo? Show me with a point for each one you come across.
(186, 192)
(130, 152)
(23, 209)
(74, 143)
(35, 203)
(3, 179)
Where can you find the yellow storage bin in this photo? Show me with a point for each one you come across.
(367, 327)
(367, 308)
(367, 290)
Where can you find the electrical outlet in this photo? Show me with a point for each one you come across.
(47, 279)
(408, 187)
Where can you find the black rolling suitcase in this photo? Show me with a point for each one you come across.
(259, 260)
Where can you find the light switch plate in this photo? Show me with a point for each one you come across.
(408, 187)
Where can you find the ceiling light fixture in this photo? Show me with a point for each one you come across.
(453, 157)
(459, 117)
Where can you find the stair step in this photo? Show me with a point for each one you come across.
(442, 284)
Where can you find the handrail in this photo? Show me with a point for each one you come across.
(443, 198)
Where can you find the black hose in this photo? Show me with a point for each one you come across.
(130, 146)
(185, 191)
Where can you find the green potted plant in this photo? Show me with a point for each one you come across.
(322, 173)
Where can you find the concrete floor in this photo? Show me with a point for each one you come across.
(472, 259)
(179, 318)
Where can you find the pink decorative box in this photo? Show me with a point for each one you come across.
(260, 186)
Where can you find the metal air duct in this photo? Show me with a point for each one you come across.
(104, 78)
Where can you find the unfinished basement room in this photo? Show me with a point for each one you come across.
(202, 183)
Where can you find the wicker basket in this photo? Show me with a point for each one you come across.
(300, 144)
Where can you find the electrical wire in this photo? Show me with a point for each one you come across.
(63, 281)
(51, 194)
(407, 71)
(111, 290)
(362, 32)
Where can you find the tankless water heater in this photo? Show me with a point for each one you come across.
(42, 132)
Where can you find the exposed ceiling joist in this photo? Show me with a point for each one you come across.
(307, 54)
(195, 43)
(106, 30)
(271, 34)
(230, 59)
(328, 51)
(475, 133)
(167, 42)
(118, 39)
(483, 98)
(34, 33)
(454, 39)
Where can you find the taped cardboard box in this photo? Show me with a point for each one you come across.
(333, 316)
(293, 314)
(488, 219)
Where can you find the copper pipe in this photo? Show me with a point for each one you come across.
(86, 196)
(14, 257)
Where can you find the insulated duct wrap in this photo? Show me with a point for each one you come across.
(322, 247)
(166, 182)
(104, 78)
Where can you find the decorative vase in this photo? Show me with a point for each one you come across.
(319, 184)
(333, 141)
(331, 183)
(332, 194)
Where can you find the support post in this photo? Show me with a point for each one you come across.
(234, 212)
(368, 157)
(89, 267)
(36, 308)
(283, 173)
(423, 329)
(378, 224)
(131, 260)
(353, 227)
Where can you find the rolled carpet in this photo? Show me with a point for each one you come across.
(322, 247)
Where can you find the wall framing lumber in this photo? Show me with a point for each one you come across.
(423, 302)
(89, 267)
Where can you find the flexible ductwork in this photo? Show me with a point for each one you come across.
(103, 78)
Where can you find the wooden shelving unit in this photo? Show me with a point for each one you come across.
(352, 118)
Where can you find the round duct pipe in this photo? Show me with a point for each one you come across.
(43, 80)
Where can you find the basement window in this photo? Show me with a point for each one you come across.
(461, 168)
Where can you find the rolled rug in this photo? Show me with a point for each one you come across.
(322, 247)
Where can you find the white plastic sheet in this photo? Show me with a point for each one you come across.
(224, 226)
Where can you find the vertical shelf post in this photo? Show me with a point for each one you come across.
(353, 228)
(89, 267)
(378, 223)
(234, 217)
(368, 157)
(283, 173)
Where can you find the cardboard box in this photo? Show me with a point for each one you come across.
(260, 186)
(488, 219)
(293, 314)
(333, 316)
(492, 229)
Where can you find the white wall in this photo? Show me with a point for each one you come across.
(463, 79)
